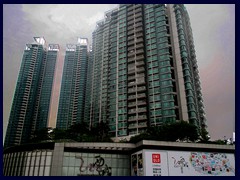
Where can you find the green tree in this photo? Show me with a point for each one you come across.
(41, 135)
(169, 132)
(204, 135)
(140, 137)
(57, 134)
(77, 131)
(101, 132)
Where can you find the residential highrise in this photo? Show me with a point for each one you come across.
(88, 97)
(30, 107)
(144, 69)
(73, 87)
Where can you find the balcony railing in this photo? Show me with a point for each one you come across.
(141, 57)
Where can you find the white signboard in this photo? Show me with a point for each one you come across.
(186, 163)
(156, 163)
(200, 164)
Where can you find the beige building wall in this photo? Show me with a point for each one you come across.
(183, 113)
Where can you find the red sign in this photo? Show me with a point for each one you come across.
(156, 158)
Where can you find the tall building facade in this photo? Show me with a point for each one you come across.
(31, 102)
(73, 87)
(144, 69)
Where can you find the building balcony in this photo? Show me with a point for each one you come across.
(129, 28)
(130, 68)
(138, 14)
(130, 32)
(139, 35)
(138, 58)
(138, 6)
(141, 89)
(142, 125)
(130, 37)
(132, 126)
(132, 71)
(141, 82)
(131, 52)
(140, 29)
(132, 111)
(129, 43)
(142, 117)
(140, 63)
(131, 84)
(131, 78)
(130, 60)
(131, 48)
(130, 23)
(138, 19)
(139, 70)
(131, 97)
(130, 17)
(140, 45)
(132, 119)
(140, 24)
(139, 103)
(133, 132)
(142, 110)
(130, 9)
(130, 13)
(141, 95)
(132, 104)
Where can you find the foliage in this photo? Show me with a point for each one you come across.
(204, 136)
(78, 132)
(182, 131)
(58, 134)
(40, 135)
(140, 137)
(101, 132)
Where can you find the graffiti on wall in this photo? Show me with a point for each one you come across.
(211, 163)
(181, 163)
(97, 166)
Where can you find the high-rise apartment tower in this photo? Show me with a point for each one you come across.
(73, 87)
(31, 103)
(144, 69)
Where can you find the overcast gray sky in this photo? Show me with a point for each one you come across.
(213, 29)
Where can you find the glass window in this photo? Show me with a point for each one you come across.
(49, 153)
(192, 114)
(114, 172)
(64, 171)
(28, 161)
(48, 160)
(72, 161)
(32, 161)
(157, 98)
(47, 171)
(77, 162)
(42, 160)
(65, 161)
(41, 171)
(37, 161)
(158, 112)
(36, 171)
(26, 171)
(76, 171)
(31, 171)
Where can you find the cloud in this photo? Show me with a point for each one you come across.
(206, 27)
(65, 22)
